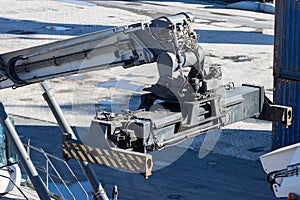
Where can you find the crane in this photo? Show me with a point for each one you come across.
(187, 100)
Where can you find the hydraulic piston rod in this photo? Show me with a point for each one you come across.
(89, 172)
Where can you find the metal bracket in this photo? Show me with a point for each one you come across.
(276, 113)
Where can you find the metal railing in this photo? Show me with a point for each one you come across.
(50, 174)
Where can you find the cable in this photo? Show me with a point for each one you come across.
(291, 170)
(15, 185)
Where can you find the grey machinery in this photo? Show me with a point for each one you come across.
(187, 100)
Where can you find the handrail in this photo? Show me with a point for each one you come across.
(47, 156)
(42, 169)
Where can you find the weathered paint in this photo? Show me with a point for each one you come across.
(287, 92)
(287, 40)
(287, 69)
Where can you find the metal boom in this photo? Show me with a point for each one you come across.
(191, 101)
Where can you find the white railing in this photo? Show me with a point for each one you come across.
(52, 176)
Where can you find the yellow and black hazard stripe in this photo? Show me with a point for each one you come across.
(115, 158)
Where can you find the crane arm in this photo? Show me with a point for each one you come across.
(125, 46)
(181, 105)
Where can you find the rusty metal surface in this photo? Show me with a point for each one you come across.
(287, 40)
(287, 69)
